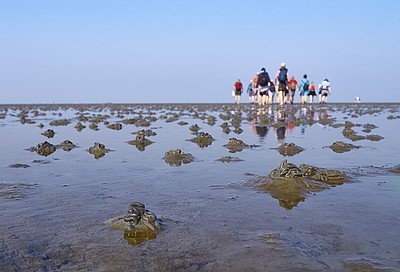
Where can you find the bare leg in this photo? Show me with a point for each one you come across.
(237, 99)
(281, 95)
(265, 98)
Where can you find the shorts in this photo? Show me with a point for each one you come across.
(263, 90)
(238, 92)
(312, 93)
(282, 86)
(324, 92)
(292, 92)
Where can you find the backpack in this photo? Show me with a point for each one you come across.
(238, 86)
(306, 86)
(250, 87)
(263, 79)
(325, 85)
(272, 87)
(282, 75)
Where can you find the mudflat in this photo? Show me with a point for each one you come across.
(308, 188)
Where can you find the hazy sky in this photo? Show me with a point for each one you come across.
(193, 51)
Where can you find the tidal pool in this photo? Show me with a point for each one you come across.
(213, 214)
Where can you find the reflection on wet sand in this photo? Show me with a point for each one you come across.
(217, 217)
(284, 119)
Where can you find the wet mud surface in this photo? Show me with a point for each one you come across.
(329, 200)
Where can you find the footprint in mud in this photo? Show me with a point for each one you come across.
(15, 191)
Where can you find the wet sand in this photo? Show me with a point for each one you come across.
(214, 216)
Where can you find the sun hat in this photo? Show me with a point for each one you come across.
(283, 64)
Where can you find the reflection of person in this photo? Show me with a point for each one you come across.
(238, 88)
(281, 123)
(281, 133)
(322, 114)
(259, 126)
(311, 114)
(261, 130)
(303, 119)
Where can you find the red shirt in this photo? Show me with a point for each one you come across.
(238, 86)
(292, 81)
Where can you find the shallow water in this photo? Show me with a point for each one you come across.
(215, 218)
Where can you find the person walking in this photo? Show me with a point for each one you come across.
(262, 86)
(304, 89)
(325, 88)
(292, 89)
(281, 77)
(255, 90)
(312, 92)
(250, 92)
(271, 93)
(238, 89)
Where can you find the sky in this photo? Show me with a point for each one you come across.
(181, 51)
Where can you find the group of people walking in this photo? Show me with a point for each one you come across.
(263, 90)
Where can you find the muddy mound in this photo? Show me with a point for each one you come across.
(98, 150)
(290, 184)
(138, 223)
(176, 157)
(44, 149)
(49, 133)
(341, 147)
(140, 141)
(202, 139)
(66, 145)
(237, 145)
(289, 149)
(228, 159)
